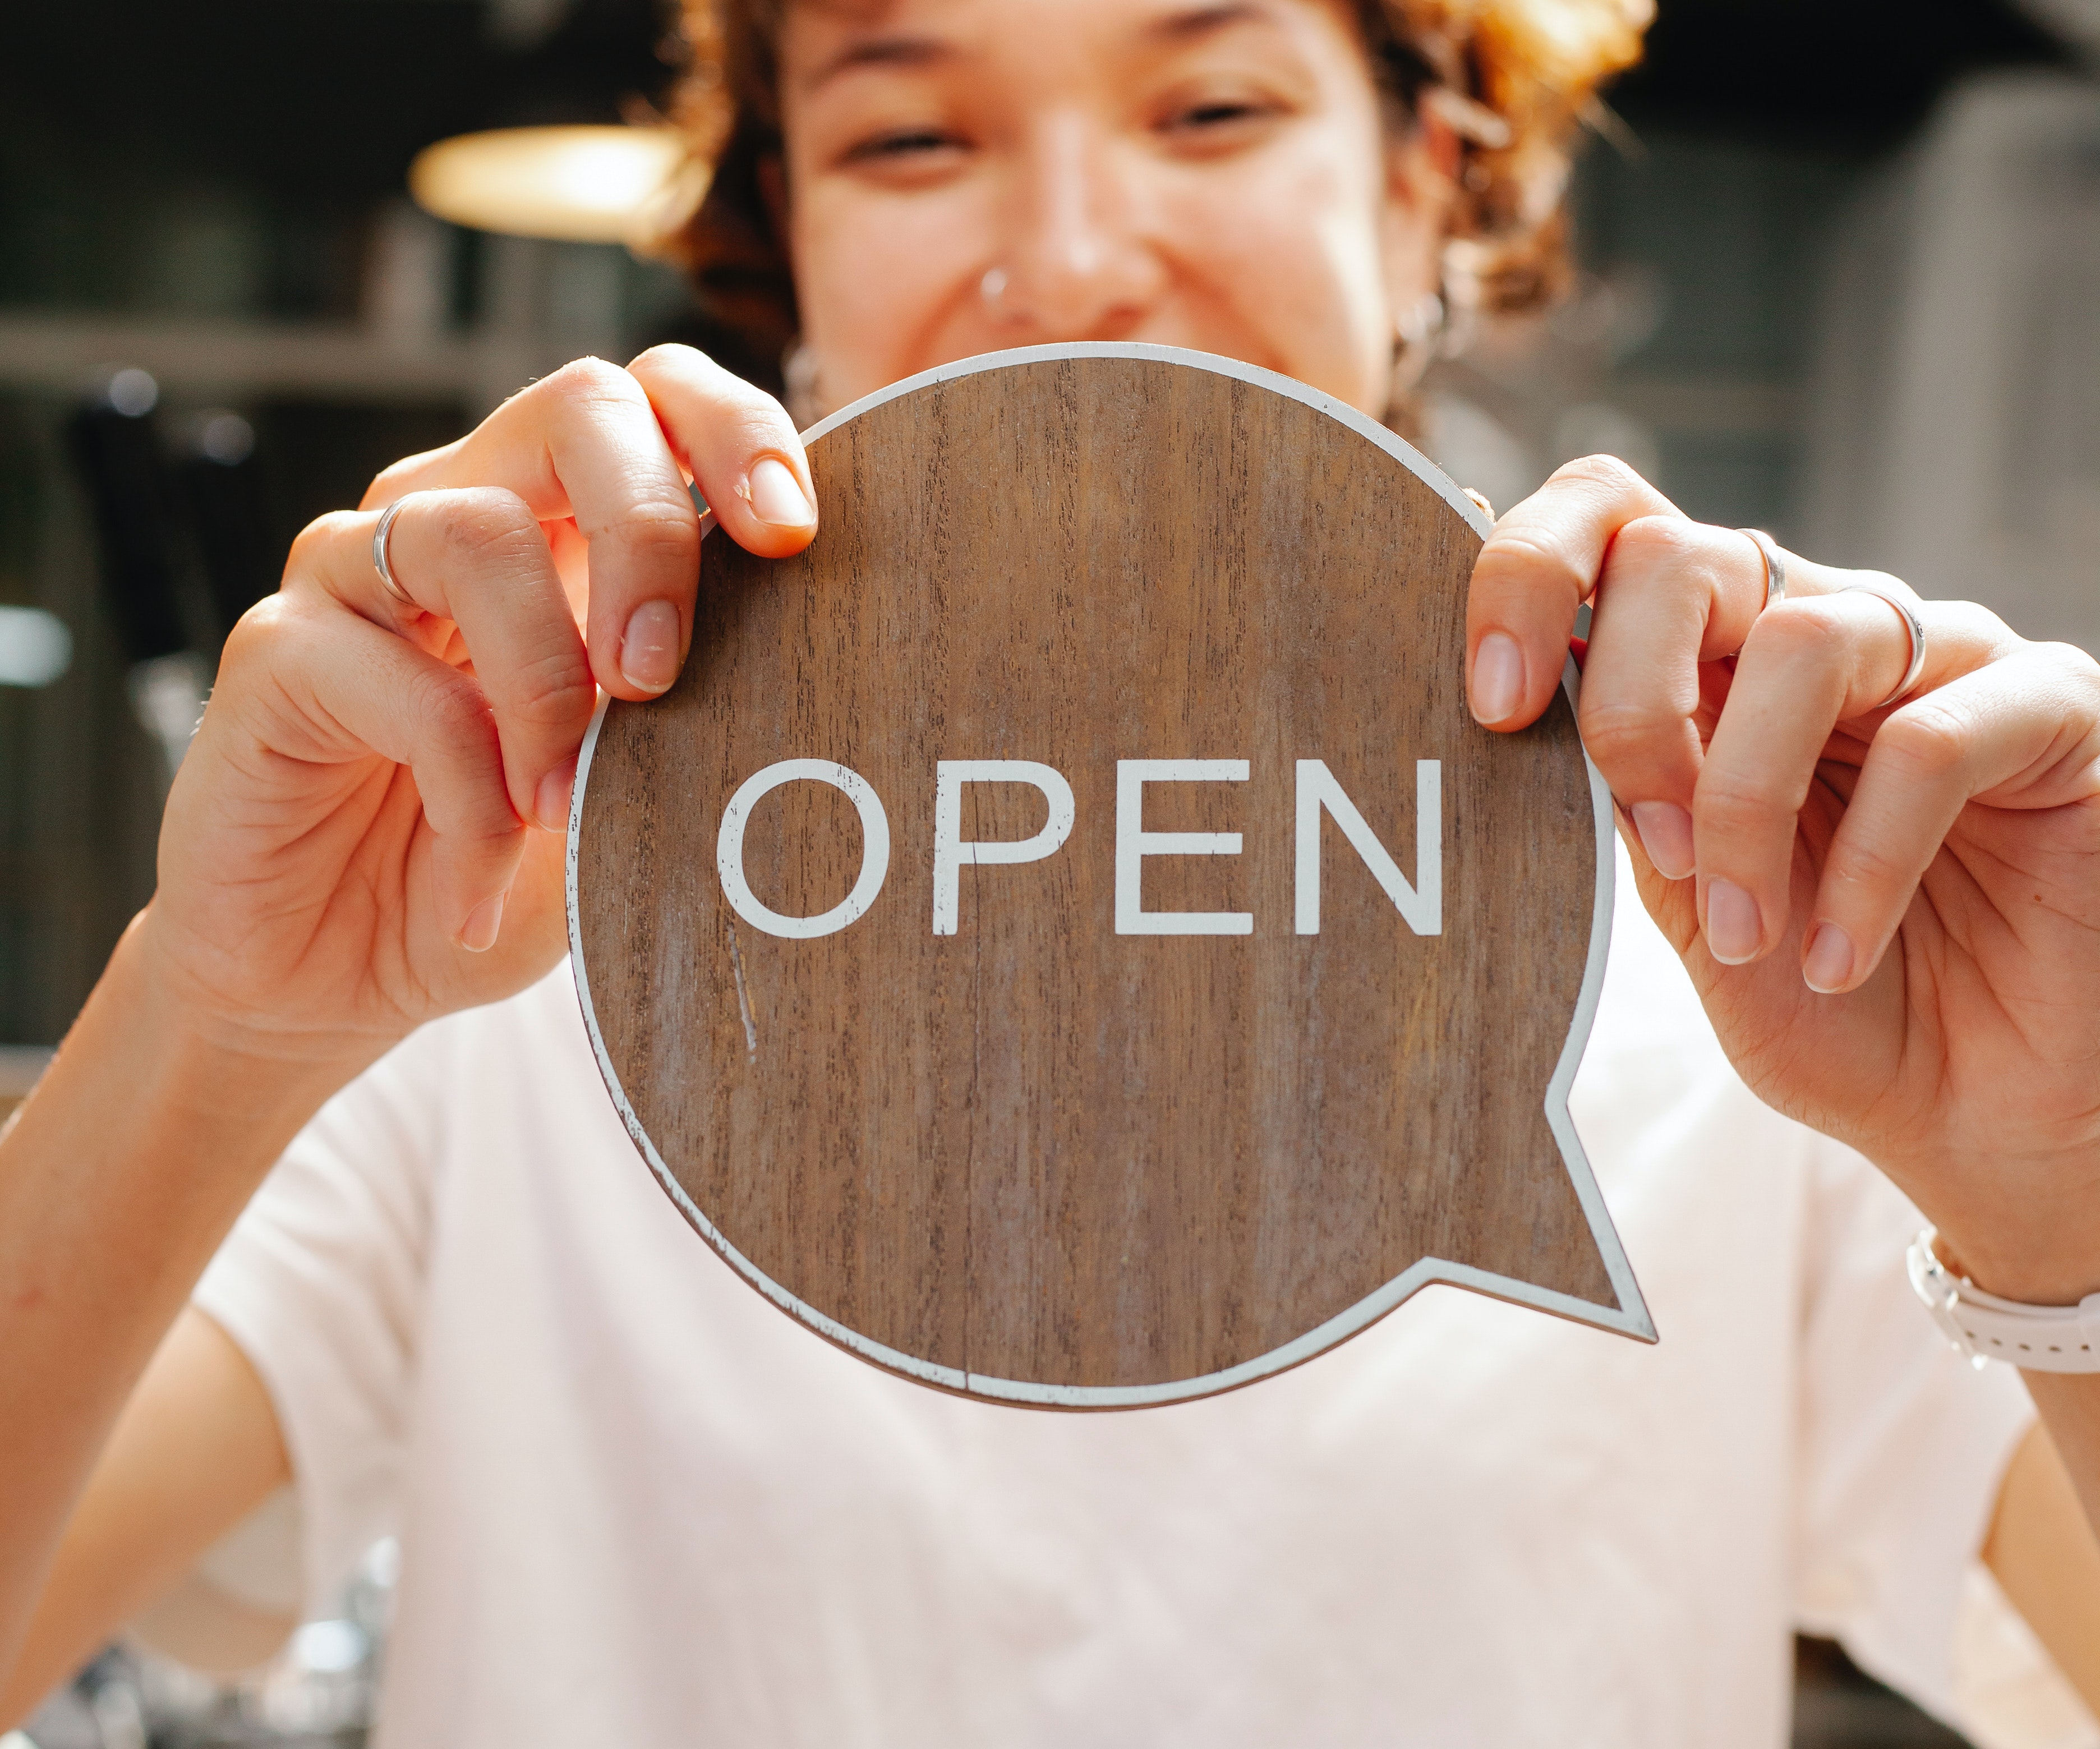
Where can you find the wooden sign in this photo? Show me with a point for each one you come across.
(1063, 937)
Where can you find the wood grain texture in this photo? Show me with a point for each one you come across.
(1037, 1150)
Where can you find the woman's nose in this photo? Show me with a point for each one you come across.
(1078, 264)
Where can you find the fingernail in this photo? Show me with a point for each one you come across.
(478, 933)
(1733, 927)
(1497, 678)
(777, 497)
(1666, 834)
(551, 805)
(649, 651)
(1826, 968)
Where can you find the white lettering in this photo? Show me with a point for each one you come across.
(874, 848)
(952, 854)
(1134, 844)
(1422, 904)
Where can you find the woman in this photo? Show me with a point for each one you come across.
(639, 1506)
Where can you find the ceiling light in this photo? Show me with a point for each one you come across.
(569, 184)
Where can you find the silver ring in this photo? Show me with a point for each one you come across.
(1775, 565)
(1913, 623)
(381, 536)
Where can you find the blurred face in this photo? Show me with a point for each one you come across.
(965, 175)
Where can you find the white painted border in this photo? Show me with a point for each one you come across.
(1631, 1319)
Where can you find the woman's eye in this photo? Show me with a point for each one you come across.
(900, 147)
(1217, 117)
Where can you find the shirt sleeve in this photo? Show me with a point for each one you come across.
(2011, 1694)
(1904, 1443)
(320, 1283)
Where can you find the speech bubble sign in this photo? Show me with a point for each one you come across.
(1063, 937)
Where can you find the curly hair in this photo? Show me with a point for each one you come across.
(1514, 79)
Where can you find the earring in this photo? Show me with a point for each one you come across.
(798, 378)
(1418, 331)
(992, 288)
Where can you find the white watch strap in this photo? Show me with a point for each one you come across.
(2038, 1338)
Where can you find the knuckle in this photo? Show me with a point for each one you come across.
(745, 422)
(744, 413)
(1607, 472)
(458, 732)
(589, 382)
(730, 393)
(764, 429)
(654, 535)
(1868, 866)
(2075, 666)
(453, 709)
(1793, 631)
(1728, 804)
(1974, 620)
(1927, 737)
(259, 632)
(1659, 542)
(384, 487)
(1518, 556)
(756, 413)
(308, 544)
(669, 356)
(1623, 735)
(390, 481)
(488, 525)
(555, 691)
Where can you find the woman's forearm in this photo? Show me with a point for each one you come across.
(2046, 1557)
(118, 1178)
(2070, 1406)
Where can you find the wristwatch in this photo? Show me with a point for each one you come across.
(2037, 1338)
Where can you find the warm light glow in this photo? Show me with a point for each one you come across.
(570, 184)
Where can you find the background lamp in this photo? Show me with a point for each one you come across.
(567, 184)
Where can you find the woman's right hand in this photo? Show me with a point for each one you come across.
(367, 830)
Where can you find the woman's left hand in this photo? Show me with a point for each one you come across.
(1891, 910)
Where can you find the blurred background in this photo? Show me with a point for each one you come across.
(1841, 281)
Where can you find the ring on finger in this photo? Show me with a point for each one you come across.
(1775, 564)
(382, 537)
(1913, 624)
